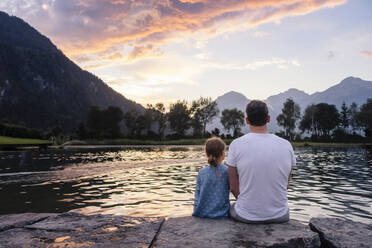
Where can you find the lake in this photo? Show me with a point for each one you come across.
(160, 181)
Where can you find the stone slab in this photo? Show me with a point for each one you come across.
(342, 233)
(77, 230)
(197, 232)
(20, 220)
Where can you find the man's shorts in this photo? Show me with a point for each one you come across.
(234, 215)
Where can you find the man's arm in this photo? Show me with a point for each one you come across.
(234, 181)
(289, 178)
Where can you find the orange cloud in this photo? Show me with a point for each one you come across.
(367, 53)
(95, 26)
(114, 56)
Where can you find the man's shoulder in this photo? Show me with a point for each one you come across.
(240, 139)
(282, 141)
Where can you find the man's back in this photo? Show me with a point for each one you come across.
(263, 163)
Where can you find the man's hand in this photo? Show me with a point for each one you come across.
(234, 181)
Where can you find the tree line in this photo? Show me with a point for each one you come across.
(324, 122)
(319, 122)
(180, 120)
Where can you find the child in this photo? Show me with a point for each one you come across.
(212, 184)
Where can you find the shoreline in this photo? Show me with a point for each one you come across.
(19, 143)
(188, 142)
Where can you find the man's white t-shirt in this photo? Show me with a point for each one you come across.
(263, 162)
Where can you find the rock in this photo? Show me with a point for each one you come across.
(77, 230)
(73, 222)
(197, 232)
(337, 233)
(20, 220)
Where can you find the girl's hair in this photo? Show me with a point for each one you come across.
(214, 148)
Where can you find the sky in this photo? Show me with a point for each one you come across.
(167, 50)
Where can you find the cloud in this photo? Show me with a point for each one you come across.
(114, 56)
(94, 26)
(143, 51)
(331, 55)
(278, 62)
(367, 53)
(259, 34)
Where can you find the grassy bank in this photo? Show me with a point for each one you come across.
(190, 142)
(323, 144)
(141, 142)
(21, 141)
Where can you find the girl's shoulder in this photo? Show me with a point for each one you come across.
(204, 169)
(223, 167)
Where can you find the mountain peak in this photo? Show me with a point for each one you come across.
(232, 96)
(350, 79)
(16, 32)
(294, 91)
(233, 93)
(35, 75)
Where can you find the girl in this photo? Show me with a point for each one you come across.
(212, 184)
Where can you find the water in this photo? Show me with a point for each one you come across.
(160, 181)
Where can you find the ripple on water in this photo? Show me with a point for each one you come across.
(160, 181)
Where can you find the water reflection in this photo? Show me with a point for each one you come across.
(34, 160)
(161, 182)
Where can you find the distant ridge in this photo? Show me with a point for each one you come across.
(349, 90)
(41, 87)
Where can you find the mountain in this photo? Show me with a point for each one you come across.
(349, 90)
(229, 100)
(41, 87)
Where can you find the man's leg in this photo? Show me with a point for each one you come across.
(235, 216)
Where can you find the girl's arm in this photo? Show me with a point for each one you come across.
(197, 193)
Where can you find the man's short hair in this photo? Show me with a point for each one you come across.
(257, 113)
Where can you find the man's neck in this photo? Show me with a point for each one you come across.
(258, 129)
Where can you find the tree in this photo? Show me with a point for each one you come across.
(365, 117)
(307, 123)
(197, 126)
(130, 119)
(135, 123)
(160, 118)
(141, 124)
(149, 117)
(232, 119)
(344, 117)
(104, 123)
(203, 111)
(94, 122)
(328, 117)
(320, 119)
(56, 131)
(179, 117)
(354, 120)
(288, 118)
(112, 117)
(82, 132)
(216, 132)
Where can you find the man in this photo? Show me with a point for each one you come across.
(259, 170)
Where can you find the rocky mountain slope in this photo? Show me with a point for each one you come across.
(41, 87)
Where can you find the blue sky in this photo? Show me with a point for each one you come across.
(172, 49)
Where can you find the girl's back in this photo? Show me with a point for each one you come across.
(212, 192)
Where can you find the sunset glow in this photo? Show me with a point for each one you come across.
(164, 50)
